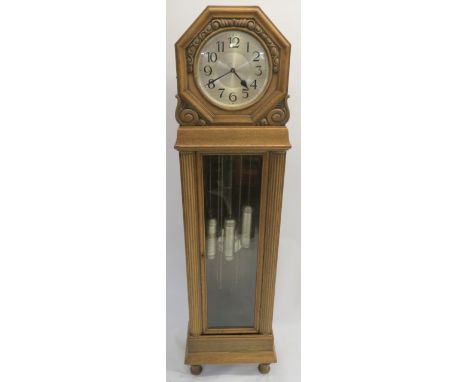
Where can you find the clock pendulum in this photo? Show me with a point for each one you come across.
(211, 240)
(229, 223)
(229, 228)
(238, 259)
(232, 83)
(220, 218)
(247, 214)
(212, 224)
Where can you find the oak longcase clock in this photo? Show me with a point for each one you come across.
(232, 83)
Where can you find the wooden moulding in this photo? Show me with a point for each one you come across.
(214, 349)
(235, 138)
(192, 254)
(272, 230)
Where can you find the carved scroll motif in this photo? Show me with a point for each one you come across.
(249, 24)
(277, 116)
(186, 114)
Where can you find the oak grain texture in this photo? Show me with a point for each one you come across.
(203, 358)
(190, 204)
(234, 138)
(223, 343)
(272, 231)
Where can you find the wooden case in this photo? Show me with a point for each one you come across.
(207, 129)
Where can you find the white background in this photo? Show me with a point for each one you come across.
(384, 184)
(81, 207)
(385, 191)
(286, 320)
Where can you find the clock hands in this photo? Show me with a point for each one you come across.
(232, 70)
(216, 79)
(242, 82)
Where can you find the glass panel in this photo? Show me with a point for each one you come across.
(232, 205)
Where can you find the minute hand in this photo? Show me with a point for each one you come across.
(216, 79)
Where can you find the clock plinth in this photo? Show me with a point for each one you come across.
(230, 349)
(232, 66)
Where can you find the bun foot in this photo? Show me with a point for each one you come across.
(196, 369)
(264, 368)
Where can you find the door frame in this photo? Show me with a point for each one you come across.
(261, 241)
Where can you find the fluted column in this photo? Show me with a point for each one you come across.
(190, 210)
(272, 231)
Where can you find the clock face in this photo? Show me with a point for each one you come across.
(232, 69)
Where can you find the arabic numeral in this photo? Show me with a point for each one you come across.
(207, 69)
(232, 97)
(234, 42)
(212, 57)
(257, 56)
(222, 91)
(254, 84)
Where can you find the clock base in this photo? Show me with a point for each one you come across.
(230, 349)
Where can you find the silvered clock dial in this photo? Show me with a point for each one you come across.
(232, 69)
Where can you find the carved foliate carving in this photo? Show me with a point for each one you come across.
(246, 23)
(277, 116)
(186, 115)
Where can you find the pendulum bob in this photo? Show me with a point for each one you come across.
(220, 241)
(237, 243)
(229, 239)
(246, 226)
(211, 239)
(237, 248)
(219, 259)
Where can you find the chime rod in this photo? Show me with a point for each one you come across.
(240, 189)
(230, 186)
(218, 213)
(210, 186)
(248, 187)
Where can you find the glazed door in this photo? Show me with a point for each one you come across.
(231, 238)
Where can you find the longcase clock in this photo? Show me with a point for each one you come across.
(232, 83)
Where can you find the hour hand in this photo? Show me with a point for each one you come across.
(242, 82)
